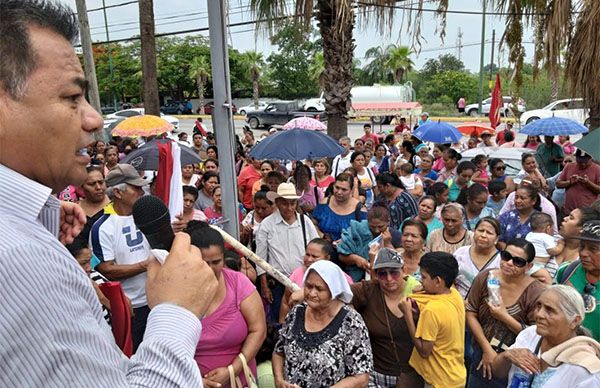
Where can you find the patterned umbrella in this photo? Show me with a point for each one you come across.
(144, 125)
(474, 129)
(553, 126)
(305, 123)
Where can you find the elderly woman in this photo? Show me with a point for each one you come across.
(497, 316)
(414, 235)
(584, 274)
(480, 255)
(454, 234)
(234, 324)
(323, 342)
(426, 215)
(516, 223)
(377, 302)
(553, 353)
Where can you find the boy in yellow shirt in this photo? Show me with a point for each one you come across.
(438, 355)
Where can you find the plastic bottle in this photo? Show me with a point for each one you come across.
(520, 379)
(493, 285)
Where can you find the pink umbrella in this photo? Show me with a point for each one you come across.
(305, 123)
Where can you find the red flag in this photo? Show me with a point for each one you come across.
(162, 187)
(200, 127)
(497, 104)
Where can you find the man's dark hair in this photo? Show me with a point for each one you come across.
(440, 264)
(496, 186)
(18, 59)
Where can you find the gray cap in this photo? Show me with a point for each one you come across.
(388, 258)
(124, 173)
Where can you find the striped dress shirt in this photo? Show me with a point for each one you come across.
(52, 332)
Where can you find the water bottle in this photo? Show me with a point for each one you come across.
(519, 380)
(493, 285)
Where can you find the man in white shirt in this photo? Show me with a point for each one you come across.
(52, 330)
(342, 161)
(123, 251)
(281, 240)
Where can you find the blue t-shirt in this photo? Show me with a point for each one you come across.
(332, 223)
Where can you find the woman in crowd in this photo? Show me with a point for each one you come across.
(381, 160)
(190, 195)
(438, 157)
(188, 177)
(322, 178)
(408, 153)
(377, 300)
(99, 147)
(111, 158)
(353, 249)
(323, 342)
(480, 255)
(454, 234)
(414, 235)
(461, 180)
(234, 327)
(262, 209)
(584, 275)
(425, 171)
(95, 198)
(211, 165)
(335, 213)
(516, 223)
(365, 176)
(214, 213)
(532, 142)
(212, 152)
(439, 191)
(496, 317)
(301, 177)
(568, 357)
(570, 228)
(401, 203)
(205, 194)
(266, 166)
(498, 173)
(451, 158)
(531, 172)
(426, 214)
(565, 142)
(475, 200)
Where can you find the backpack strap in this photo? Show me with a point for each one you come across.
(569, 271)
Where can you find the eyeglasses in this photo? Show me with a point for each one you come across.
(501, 168)
(383, 274)
(517, 261)
(589, 300)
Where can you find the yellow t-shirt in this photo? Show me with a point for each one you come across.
(442, 321)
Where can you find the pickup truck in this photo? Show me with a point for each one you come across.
(279, 113)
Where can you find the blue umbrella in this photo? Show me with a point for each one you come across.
(439, 133)
(296, 144)
(553, 126)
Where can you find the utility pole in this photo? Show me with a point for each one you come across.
(149, 73)
(110, 63)
(492, 58)
(88, 57)
(482, 53)
(222, 115)
(459, 44)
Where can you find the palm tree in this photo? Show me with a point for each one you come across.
(254, 62)
(200, 72)
(377, 69)
(398, 61)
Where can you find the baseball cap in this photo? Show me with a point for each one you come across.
(388, 258)
(124, 173)
(590, 231)
(580, 154)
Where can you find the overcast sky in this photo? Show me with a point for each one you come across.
(176, 15)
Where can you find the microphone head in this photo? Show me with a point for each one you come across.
(150, 214)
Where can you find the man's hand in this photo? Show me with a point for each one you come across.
(179, 224)
(184, 279)
(72, 221)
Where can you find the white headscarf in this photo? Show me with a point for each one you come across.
(333, 276)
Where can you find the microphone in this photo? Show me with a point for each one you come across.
(152, 217)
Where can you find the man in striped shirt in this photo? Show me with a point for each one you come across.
(52, 332)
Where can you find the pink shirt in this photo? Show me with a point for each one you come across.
(298, 276)
(225, 330)
(438, 164)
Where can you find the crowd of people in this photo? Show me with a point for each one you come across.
(416, 268)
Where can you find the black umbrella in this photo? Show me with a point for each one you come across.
(146, 157)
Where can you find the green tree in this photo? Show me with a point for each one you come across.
(200, 72)
(449, 86)
(376, 71)
(254, 62)
(444, 62)
(399, 62)
(127, 71)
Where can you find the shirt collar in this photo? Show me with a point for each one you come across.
(32, 195)
(279, 219)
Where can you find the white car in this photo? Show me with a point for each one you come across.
(473, 109)
(510, 156)
(251, 108)
(572, 108)
(123, 114)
